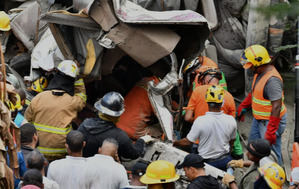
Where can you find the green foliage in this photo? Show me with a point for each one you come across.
(281, 10)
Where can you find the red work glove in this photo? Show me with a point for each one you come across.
(272, 127)
(243, 107)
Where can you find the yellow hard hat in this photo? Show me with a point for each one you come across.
(4, 21)
(40, 84)
(215, 93)
(273, 174)
(255, 55)
(159, 171)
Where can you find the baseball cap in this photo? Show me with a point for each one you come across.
(192, 160)
(261, 148)
(139, 168)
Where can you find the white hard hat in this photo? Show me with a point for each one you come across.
(68, 67)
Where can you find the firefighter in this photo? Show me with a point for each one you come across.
(96, 130)
(160, 174)
(265, 99)
(53, 110)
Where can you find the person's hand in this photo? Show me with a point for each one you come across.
(236, 163)
(272, 127)
(227, 179)
(243, 107)
(147, 139)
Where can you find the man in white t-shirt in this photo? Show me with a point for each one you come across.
(215, 130)
(103, 169)
(70, 172)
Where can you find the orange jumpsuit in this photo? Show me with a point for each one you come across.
(138, 110)
(198, 104)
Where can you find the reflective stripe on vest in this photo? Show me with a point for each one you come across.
(51, 129)
(82, 96)
(79, 82)
(50, 151)
(261, 107)
(27, 102)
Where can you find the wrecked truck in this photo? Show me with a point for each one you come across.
(116, 40)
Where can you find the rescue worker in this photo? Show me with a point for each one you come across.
(257, 149)
(38, 86)
(195, 68)
(266, 99)
(197, 105)
(138, 110)
(160, 174)
(193, 166)
(271, 175)
(213, 125)
(53, 110)
(96, 130)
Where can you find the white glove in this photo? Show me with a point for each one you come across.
(147, 139)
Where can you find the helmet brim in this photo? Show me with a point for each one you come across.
(247, 65)
(5, 29)
(106, 111)
(147, 180)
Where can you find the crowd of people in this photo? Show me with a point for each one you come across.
(39, 148)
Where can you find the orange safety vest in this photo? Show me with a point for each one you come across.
(261, 107)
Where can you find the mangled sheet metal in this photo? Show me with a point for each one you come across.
(25, 25)
(129, 12)
(155, 40)
(45, 55)
(164, 116)
(165, 151)
(63, 17)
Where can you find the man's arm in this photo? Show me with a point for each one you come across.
(276, 107)
(189, 117)
(182, 142)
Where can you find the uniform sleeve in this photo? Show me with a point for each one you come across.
(129, 150)
(273, 89)
(193, 134)
(193, 101)
(29, 113)
(229, 105)
(80, 95)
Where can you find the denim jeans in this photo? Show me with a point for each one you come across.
(259, 128)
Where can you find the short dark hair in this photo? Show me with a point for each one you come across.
(33, 177)
(27, 132)
(214, 105)
(75, 141)
(35, 160)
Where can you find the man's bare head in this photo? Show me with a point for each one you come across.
(109, 147)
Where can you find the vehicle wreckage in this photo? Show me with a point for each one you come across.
(103, 35)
